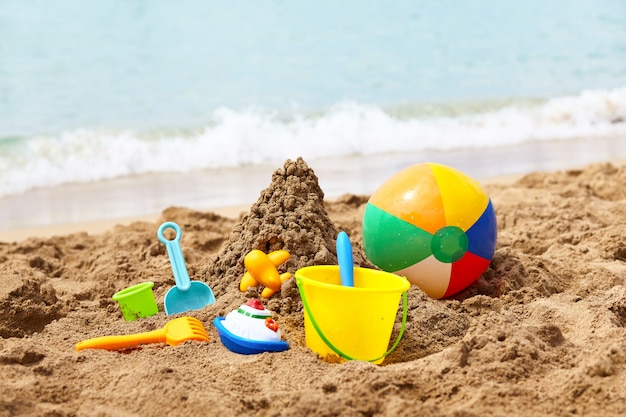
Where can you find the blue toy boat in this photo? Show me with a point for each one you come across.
(244, 346)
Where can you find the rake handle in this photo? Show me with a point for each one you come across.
(121, 342)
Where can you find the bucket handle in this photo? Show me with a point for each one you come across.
(317, 328)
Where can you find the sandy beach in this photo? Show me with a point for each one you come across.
(258, 132)
(542, 332)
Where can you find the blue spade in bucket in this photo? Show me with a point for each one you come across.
(345, 260)
(186, 295)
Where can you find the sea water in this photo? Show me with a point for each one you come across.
(97, 90)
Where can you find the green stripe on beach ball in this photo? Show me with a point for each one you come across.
(449, 244)
(392, 243)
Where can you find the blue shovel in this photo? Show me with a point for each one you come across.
(186, 295)
(344, 259)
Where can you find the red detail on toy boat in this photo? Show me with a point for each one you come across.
(256, 304)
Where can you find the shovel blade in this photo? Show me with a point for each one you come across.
(198, 295)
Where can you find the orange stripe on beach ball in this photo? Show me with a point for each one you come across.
(413, 196)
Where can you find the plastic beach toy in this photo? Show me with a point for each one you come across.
(137, 301)
(186, 295)
(351, 322)
(261, 269)
(432, 224)
(250, 329)
(345, 259)
(175, 332)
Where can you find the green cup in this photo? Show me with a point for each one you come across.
(137, 301)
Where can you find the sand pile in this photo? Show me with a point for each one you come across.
(289, 215)
(542, 332)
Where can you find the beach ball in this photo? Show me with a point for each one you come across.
(432, 224)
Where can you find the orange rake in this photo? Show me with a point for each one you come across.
(175, 332)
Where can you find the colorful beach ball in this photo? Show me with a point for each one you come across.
(432, 224)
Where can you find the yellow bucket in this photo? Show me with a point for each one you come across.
(351, 322)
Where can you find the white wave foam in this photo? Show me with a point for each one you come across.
(240, 138)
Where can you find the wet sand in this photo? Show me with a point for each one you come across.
(122, 200)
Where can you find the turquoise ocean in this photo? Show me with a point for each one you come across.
(91, 91)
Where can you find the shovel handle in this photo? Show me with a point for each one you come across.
(345, 260)
(179, 268)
